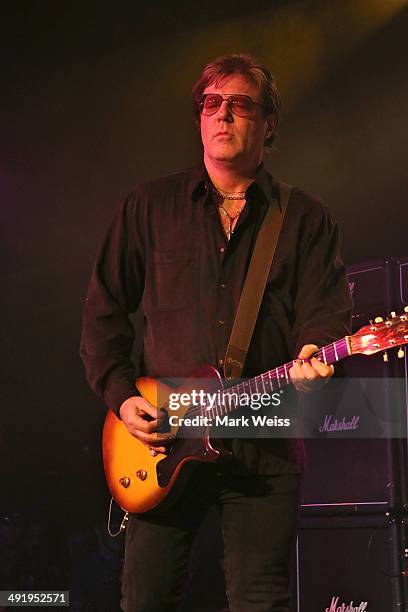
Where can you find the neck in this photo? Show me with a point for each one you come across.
(229, 178)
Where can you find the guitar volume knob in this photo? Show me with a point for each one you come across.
(125, 482)
(142, 474)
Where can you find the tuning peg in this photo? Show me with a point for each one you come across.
(400, 353)
(393, 314)
(385, 356)
(378, 320)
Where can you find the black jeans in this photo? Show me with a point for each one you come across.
(258, 518)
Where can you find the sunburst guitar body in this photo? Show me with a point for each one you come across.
(139, 481)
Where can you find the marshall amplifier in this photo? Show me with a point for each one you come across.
(351, 564)
(352, 460)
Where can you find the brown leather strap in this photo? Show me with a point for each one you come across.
(255, 283)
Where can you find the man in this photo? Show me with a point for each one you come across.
(182, 245)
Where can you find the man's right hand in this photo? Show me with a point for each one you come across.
(142, 420)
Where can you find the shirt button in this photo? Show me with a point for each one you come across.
(222, 250)
(223, 285)
(221, 322)
(221, 362)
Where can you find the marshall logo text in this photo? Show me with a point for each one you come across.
(335, 607)
(331, 424)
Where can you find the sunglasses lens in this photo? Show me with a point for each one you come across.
(210, 104)
(239, 104)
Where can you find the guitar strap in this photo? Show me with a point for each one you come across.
(255, 282)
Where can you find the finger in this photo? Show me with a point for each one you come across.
(303, 371)
(158, 449)
(148, 426)
(309, 372)
(307, 351)
(153, 440)
(162, 417)
(156, 439)
(297, 376)
(295, 372)
(140, 428)
(324, 371)
(306, 375)
(315, 370)
(144, 407)
(139, 423)
(313, 379)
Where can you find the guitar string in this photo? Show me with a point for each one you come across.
(337, 348)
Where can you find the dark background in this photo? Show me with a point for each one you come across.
(95, 96)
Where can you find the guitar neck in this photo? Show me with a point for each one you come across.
(274, 380)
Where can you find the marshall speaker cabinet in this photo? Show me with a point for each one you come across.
(352, 553)
(364, 465)
(351, 564)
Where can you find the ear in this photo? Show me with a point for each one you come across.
(270, 127)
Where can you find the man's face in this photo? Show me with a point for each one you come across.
(230, 139)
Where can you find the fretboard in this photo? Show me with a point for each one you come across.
(231, 398)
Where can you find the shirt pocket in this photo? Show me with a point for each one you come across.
(172, 281)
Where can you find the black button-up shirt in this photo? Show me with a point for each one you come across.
(166, 248)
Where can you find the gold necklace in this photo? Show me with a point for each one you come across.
(235, 195)
(231, 218)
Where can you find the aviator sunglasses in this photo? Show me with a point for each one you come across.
(239, 104)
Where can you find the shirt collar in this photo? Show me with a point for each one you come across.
(263, 183)
(200, 181)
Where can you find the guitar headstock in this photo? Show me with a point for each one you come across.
(381, 335)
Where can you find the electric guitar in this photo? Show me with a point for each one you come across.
(140, 481)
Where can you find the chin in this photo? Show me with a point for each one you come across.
(224, 155)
